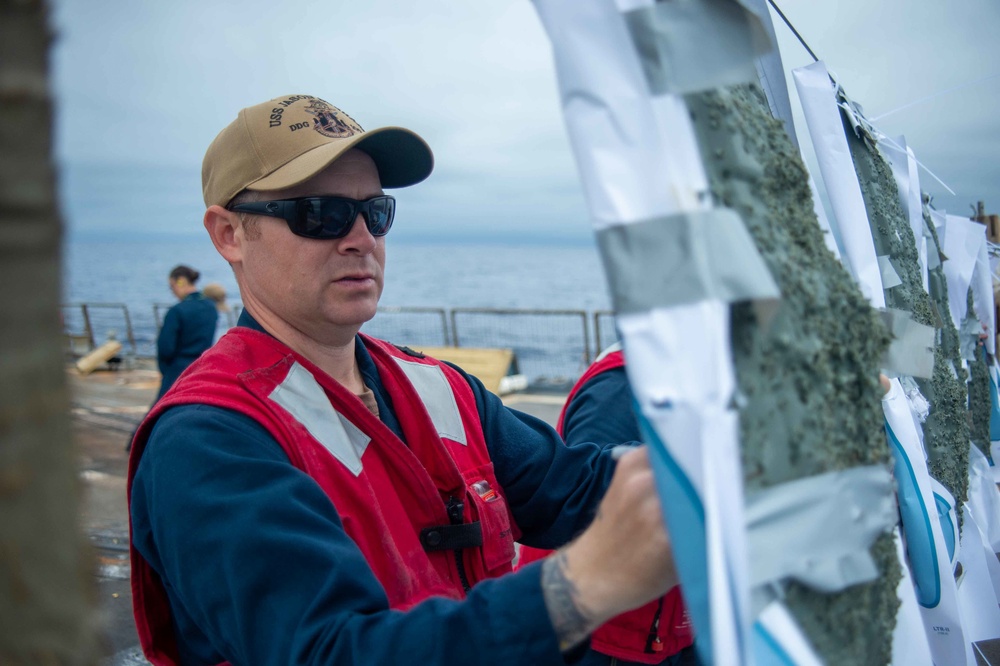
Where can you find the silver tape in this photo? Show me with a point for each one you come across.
(890, 278)
(968, 338)
(818, 530)
(691, 45)
(911, 351)
(683, 258)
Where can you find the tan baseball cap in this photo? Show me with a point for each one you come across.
(288, 140)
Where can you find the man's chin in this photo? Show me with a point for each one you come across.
(354, 317)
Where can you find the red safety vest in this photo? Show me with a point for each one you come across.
(647, 634)
(394, 499)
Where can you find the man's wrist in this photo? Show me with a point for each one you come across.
(570, 617)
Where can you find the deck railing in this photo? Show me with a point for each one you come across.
(91, 324)
(551, 347)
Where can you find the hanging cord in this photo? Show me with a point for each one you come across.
(880, 136)
(883, 139)
(937, 94)
(792, 28)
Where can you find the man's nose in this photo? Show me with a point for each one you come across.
(358, 237)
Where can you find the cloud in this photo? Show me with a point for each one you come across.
(150, 84)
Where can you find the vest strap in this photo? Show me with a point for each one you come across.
(451, 537)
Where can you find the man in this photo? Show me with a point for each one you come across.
(304, 494)
(599, 409)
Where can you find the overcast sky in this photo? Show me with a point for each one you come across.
(143, 87)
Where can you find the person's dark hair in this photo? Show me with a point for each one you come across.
(186, 272)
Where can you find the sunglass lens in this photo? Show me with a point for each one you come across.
(327, 218)
(333, 217)
(380, 213)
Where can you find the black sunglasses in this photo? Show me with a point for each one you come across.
(326, 217)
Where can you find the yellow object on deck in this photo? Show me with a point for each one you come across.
(94, 359)
(490, 366)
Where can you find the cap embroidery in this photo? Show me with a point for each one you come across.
(331, 121)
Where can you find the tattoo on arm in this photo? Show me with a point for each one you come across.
(570, 621)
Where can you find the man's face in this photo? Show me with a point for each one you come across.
(323, 289)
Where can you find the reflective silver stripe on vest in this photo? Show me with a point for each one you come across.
(436, 394)
(301, 396)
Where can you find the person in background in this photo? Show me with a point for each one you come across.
(599, 408)
(188, 327)
(216, 293)
(306, 494)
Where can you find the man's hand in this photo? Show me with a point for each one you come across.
(620, 562)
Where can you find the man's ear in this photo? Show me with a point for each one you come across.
(223, 227)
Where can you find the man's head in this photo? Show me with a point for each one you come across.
(308, 270)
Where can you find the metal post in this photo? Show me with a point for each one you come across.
(444, 327)
(454, 330)
(597, 333)
(86, 325)
(129, 333)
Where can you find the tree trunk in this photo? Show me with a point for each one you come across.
(46, 587)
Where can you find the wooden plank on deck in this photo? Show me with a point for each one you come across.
(489, 365)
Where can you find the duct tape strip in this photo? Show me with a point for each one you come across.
(933, 254)
(968, 338)
(691, 45)
(912, 349)
(683, 258)
(790, 525)
(890, 278)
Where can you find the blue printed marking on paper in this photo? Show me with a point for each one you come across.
(994, 411)
(767, 651)
(920, 547)
(947, 526)
(685, 512)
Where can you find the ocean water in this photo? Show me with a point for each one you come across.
(549, 275)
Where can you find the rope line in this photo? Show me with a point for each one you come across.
(792, 28)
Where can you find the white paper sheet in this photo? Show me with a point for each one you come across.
(819, 102)
(771, 73)
(638, 160)
(904, 171)
(961, 243)
(976, 597)
(683, 385)
(994, 409)
(984, 498)
(982, 294)
(927, 553)
(909, 640)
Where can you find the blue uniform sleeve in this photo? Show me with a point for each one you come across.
(602, 411)
(553, 489)
(166, 341)
(259, 569)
